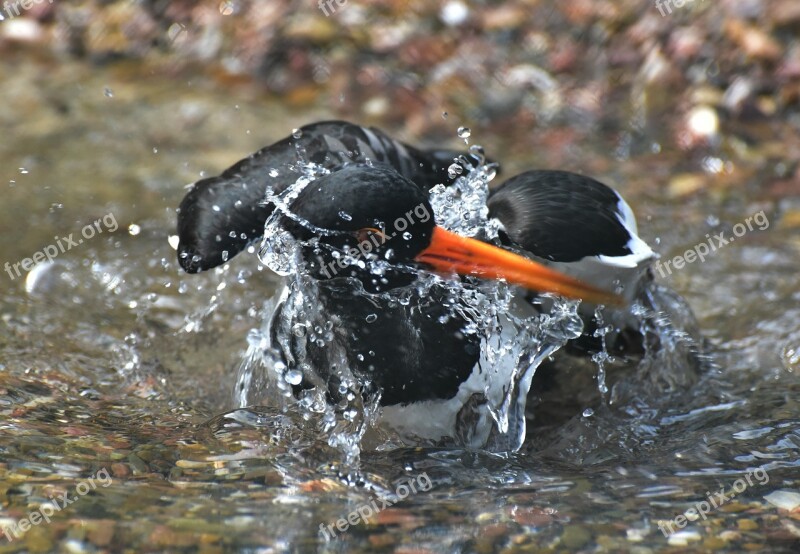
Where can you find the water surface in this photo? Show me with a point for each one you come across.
(112, 359)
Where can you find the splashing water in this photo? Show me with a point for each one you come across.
(515, 336)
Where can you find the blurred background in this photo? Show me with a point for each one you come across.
(111, 357)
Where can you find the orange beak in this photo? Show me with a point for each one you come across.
(449, 252)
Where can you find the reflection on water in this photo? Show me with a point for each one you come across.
(114, 359)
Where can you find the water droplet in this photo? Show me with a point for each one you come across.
(464, 132)
(273, 172)
(346, 216)
(297, 133)
(299, 330)
(216, 208)
(372, 318)
(454, 170)
(478, 153)
(293, 377)
(108, 92)
(134, 229)
(588, 412)
(444, 115)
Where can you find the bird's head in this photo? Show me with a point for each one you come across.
(371, 223)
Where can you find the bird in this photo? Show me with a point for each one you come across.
(400, 335)
(221, 215)
(583, 228)
(386, 279)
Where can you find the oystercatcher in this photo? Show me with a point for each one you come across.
(365, 234)
(582, 228)
(221, 215)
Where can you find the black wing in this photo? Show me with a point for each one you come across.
(560, 216)
(221, 215)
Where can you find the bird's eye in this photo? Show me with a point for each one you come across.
(371, 234)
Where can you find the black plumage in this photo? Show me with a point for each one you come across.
(221, 215)
(560, 216)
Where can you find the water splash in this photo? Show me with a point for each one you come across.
(514, 338)
(283, 364)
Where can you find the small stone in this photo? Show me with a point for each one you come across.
(734, 507)
(685, 184)
(575, 537)
(120, 470)
(100, 532)
(137, 464)
(714, 543)
(682, 538)
(190, 464)
(755, 42)
(381, 541)
(728, 536)
(38, 539)
(747, 525)
(784, 499)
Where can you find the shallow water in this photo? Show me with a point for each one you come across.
(112, 359)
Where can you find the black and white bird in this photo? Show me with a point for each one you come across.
(220, 216)
(434, 378)
(584, 229)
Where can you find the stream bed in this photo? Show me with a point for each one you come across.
(117, 370)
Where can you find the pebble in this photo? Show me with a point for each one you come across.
(683, 538)
(138, 465)
(714, 543)
(575, 537)
(746, 525)
(784, 499)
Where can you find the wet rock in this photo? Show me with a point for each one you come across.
(755, 42)
(575, 537)
(746, 525)
(784, 499)
(684, 537)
